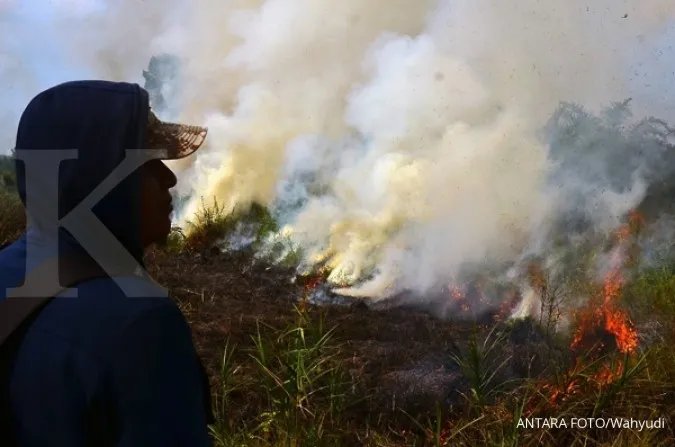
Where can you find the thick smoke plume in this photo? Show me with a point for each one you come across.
(402, 143)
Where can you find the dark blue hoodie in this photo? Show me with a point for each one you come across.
(101, 369)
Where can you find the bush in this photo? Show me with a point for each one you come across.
(653, 292)
(298, 375)
(12, 218)
(212, 224)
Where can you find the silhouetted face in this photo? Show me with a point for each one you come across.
(179, 141)
(156, 202)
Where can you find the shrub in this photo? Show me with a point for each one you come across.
(12, 218)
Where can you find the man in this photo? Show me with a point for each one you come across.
(114, 366)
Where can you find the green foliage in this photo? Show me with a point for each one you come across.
(478, 365)
(6, 163)
(7, 173)
(588, 146)
(12, 217)
(162, 69)
(176, 240)
(213, 226)
(653, 292)
(303, 384)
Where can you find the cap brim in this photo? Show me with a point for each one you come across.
(179, 140)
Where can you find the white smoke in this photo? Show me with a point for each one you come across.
(397, 139)
(425, 120)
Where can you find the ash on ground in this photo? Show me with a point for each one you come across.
(322, 295)
(242, 237)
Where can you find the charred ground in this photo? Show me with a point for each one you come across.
(396, 360)
(285, 371)
(404, 376)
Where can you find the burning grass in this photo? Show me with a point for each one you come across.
(213, 226)
(299, 374)
(347, 375)
(287, 372)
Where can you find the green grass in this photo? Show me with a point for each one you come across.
(12, 217)
(302, 398)
(653, 292)
(298, 393)
(290, 386)
(477, 365)
(212, 225)
(299, 380)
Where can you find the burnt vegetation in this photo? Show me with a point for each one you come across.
(288, 371)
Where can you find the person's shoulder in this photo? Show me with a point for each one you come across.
(123, 297)
(101, 310)
(12, 262)
(131, 286)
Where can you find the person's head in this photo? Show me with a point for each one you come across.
(106, 122)
(157, 179)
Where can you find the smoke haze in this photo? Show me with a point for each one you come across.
(398, 141)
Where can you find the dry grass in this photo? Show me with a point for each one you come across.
(287, 373)
(232, 302)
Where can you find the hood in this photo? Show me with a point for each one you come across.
(101, 120)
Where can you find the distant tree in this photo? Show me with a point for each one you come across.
(8, 180)
(162, 73)
(606, 148)
(605, 152)
(617, 113)
(7, 162)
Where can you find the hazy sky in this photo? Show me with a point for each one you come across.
(34, 56)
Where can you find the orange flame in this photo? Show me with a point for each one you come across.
(507, 306)
(456, 293)
(457, 296)
(607, 315)
(312, 282)
(537, 279)
(603, 314)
